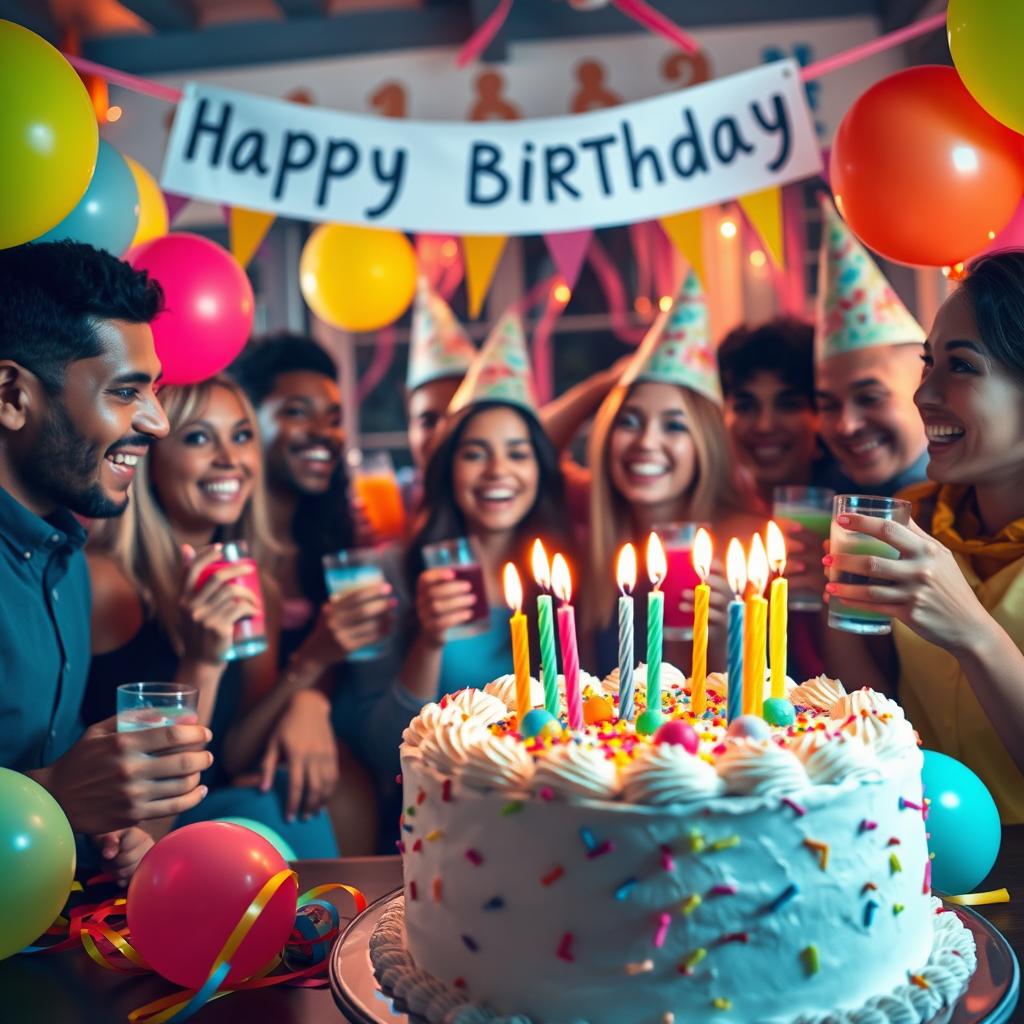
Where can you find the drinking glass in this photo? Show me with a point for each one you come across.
(811, 509)
(457, 555)
(345, 571)
(375, 482)
(250, 634)
(677, 539)
(154, 705)
(849, 542)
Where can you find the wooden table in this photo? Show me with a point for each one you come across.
(68, 988)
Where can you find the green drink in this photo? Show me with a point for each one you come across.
(811, 509)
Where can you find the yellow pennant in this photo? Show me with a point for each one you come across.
(246, 230)
(482, 254)
(685, 233)
(764, 211)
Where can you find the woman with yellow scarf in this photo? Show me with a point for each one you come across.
(956, 594)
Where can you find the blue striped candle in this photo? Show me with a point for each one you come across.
(734, 704)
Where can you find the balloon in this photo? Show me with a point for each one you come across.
(921, 173)
(358, 279)
(276, 840)
(963, 823)
(209, 308)
(193, 888)
(986, 38)
(49, 135)
(153, 219)
(37, 861)
(108, 214)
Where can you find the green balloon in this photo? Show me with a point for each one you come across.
(37, 861)
(266, 832)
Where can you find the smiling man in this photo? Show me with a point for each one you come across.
(868, 351)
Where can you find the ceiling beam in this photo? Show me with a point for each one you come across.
(163, 15)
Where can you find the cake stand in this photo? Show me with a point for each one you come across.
(990, 997)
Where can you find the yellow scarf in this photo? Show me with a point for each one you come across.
(956, 524)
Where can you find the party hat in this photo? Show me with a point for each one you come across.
(677, 349)
(438, 345)
(857, 307)
(500, 372)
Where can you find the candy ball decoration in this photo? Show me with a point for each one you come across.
(748, 727)
(357, 279)
(276, 840)
(597, 709)
(108, 214)
(315, 920)
(539, 722)
(191, 891)
(680, 734)
(921, 173)
(209, 305)
(37, 861)
(963, 824)
(153, 217)
(649, 722)
(49, 135)
(778, 711)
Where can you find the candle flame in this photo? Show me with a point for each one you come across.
(625, 571)
(561, 580)
(736, 567)
(657, 567)
(702, 554)
(757, 565)
(513, 588)
(541, 568)
(775, 543)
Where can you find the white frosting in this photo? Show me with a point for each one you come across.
(877, 721)
(757, 768)
(819, 693)
(481, 707)
(666, 773)
(495, 762)
(576, 770)
(449, 746)
(831, 759)
(670, 676)
(504, 688)
(426, 723)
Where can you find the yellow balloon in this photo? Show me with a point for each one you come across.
(48, 136)
(153, 222)
(358, 279)
(986, 39)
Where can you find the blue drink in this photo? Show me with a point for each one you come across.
(351, 570)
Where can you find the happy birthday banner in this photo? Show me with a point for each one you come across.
(641, 161)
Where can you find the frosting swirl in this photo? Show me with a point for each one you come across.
(449, 746)
(756, 768)
(831, 758)
(495, 762)
(478, 706)
(819, 693)
(667, 773)
(504, 688)
(575, 770)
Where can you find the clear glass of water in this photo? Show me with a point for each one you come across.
(346, 571)
(457, 555)
(811, 509)
(155, 705)
(849, 542)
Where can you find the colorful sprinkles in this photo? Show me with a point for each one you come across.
(725, 844)
(821, 849)
(691, 903)
(553, 875)
(927, 887)
(565, 948)
(667, 861)
(798, 809)
(625, 889)
(470, 943)
(691, 961)
(870, 909)
(437, 890)
(867, 826)
(661, 932)
(513, 807)
(784, 897)
(895, 867)
(643, 967)
(721, 1003)
(495, 903)
(811, 960)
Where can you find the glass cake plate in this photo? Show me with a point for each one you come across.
(990, 997)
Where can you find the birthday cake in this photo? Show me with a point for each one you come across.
(713, 872)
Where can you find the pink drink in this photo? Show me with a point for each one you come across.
(250, 633)
(681, 576)
(474, 576)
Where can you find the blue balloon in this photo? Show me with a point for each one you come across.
(108, 214)
(276, 840)
(963, 823)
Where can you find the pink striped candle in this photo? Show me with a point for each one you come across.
(561, 583)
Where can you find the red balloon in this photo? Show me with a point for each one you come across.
(209, 305)
(193, 888)
(921, 173)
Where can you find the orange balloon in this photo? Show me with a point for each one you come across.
(921, 172)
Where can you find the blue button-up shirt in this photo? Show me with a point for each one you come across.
(44, 634)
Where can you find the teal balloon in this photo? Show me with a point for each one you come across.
(277, 841)
(37, 861)
(108, 214)
(963, 823)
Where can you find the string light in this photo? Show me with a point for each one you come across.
(561, 293)
(665, 303)
(449, 250)
(114, 113)
(758, 259)
(728, 228)
(642, 305)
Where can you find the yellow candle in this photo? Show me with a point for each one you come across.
(520, 640)
(701, 607)
(779, 618)
(755, 630)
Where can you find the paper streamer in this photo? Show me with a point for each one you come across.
(980, 899)
(657, 23)
(481, 38)
(615, 294)
(383, 355)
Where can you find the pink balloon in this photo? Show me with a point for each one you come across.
(209, 305)
(193, 888)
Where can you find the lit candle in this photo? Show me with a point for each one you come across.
(755, 630)
(778, 617)
(520, 641)
(625, 573)
(657, 568)
(546, 628)
(561, 581)
(701, 608)
(736, 573)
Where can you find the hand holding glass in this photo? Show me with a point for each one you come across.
(346, 571)
(810, 508)
(155, 705)
(457, 555)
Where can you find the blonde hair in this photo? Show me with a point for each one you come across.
(713, 492)
(142, 542)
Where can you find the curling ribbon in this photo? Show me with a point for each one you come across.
(481, 38)
(980, 899)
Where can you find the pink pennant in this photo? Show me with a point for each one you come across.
(175, 204)
(568, 249)
(481, 38)
(654, 20)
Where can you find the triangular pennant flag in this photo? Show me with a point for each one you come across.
(482, 253)
(685, 233)
(175, 204)
(764, 211)
(568, 249)
(246, 231)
